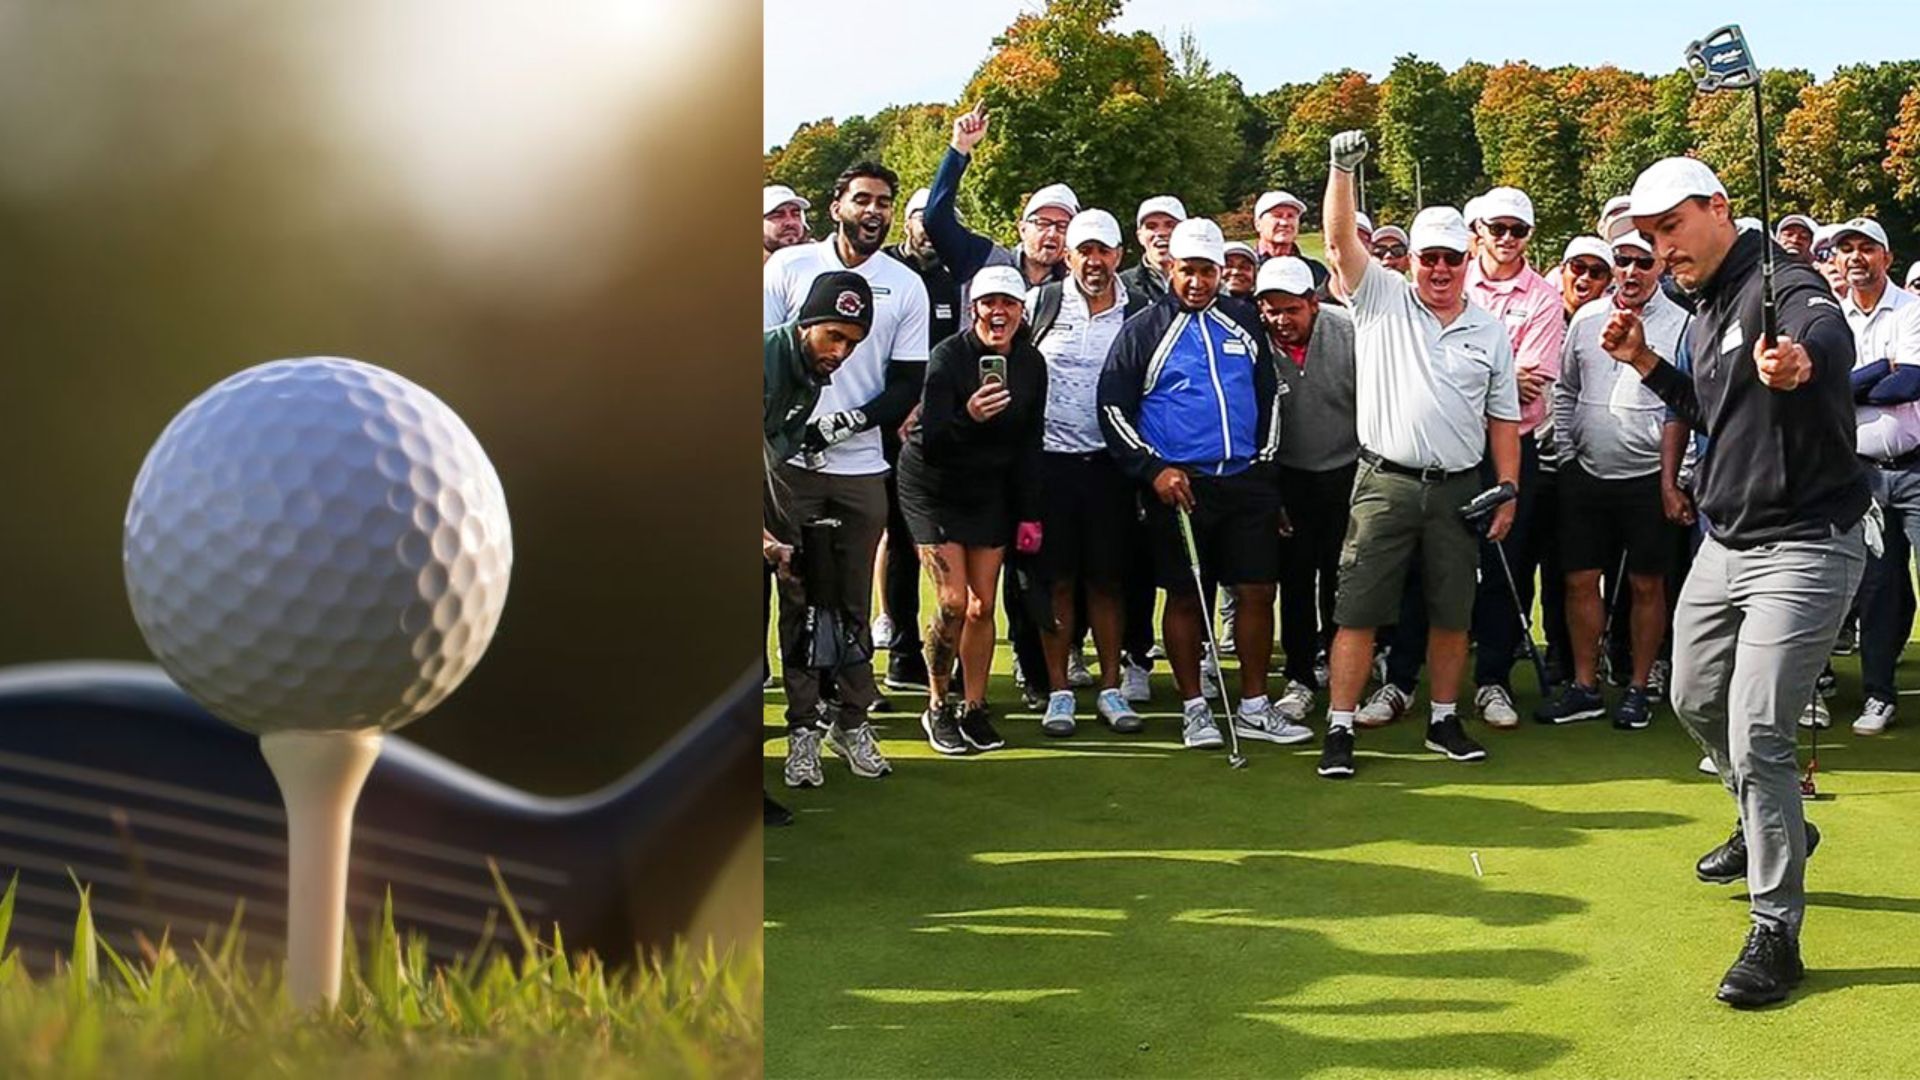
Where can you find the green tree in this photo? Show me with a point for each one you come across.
(1528, 141)
(1615, 125)
(1722, 127)
(1297, 159)
(1903, 150)
(1428, 149)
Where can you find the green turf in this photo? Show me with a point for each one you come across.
(1111, 905)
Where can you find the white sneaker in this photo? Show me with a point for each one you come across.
(1657, 679)
(1380, 665)
(1706, 766)
(860, 749)
(1322, 671)
(1113, 708)
(1384, 707)
(1874, 718)
(882, 630)
(1198, 731)
(1227, 644)
(1078, 676)
(1294, 705)
(1816, 715)
(1156, 651)
(1135, 683)
(1495, 706)
(1270, 725)
(1058, 720)
(1209, 686)
(803, 759)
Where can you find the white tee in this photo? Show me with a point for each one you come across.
(1891, 331)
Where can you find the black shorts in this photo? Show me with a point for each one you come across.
(1598, 518)
(1236, 527)
(942, 506)
(1088, 518)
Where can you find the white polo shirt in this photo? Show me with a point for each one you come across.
(899, 332)
(1891, 331)
(1424, 392)
(1076, 349)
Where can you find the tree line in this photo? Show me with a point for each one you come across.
(1120, 116)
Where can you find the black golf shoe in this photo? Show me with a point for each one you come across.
(1727, 863)
(1635, 711)
(976, 727)
(1336, 754)
(1769, 966)
(906, 670)
(1573, 702)
(943, 731)
(1449, 737)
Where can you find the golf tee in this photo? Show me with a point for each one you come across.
(320, 774)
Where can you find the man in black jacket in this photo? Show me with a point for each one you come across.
(1783, 497)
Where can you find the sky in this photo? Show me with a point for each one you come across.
(929, 48)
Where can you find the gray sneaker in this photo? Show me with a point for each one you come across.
(1384, 707)
(1059, 721)
(1296, 702)
(1198, 731)
(1269, 725)
(1874, 717)
(1209, 686)
(860, 749)
(1078, 676)
(1113, 708)
(1135, 683)
(803, 758)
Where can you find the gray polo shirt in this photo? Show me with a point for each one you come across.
(1604, 417)
(1317, 428)
(1424, 392)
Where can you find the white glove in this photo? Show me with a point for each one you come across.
(1349, 149)
(833, 429)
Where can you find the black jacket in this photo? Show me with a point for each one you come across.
(1143, 281)
(948, 450)
(943, 293)
(1780, 465)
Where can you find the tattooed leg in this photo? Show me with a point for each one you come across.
(944, 568)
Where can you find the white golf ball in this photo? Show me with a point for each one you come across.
(318, 545)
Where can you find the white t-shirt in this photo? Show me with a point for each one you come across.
(1424, 392)
(1076, 350)
(899, 332)
(1891, 331)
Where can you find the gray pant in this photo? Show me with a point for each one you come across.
(1752, 630)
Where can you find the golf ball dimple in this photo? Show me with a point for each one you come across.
(317, 544)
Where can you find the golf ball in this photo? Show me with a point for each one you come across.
(317, 544)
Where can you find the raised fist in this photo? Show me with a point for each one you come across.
(1349, 149)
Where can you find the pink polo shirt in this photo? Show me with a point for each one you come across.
(1530, 308)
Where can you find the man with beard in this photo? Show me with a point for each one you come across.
(1276, 218)
(1795, 234)
(783, 220)
(1043, 223)
(1783, 497)
(840, 470)
(1153, 224)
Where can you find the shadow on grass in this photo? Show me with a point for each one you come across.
(1906, 905)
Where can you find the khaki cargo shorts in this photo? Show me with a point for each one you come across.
(1396, 518)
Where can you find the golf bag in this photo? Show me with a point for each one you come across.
(831, 638)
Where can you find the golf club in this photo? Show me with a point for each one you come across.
(172, 818)
(1605, 663)
(1234, 757)
(1478, 513)
(1722, 61)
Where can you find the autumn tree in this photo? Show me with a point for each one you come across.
(1722, 126)
(1428, 150)
(1528, 141)
(1903, 150)
(1297, 159)
(1614, 123)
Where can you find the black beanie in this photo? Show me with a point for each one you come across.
(841, 296)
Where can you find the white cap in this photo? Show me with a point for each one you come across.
(1095, 224)
(1506, 202)
(1746, 224)
(1363, 222)
(1668, 182)
(1000, 281)
(1059, 195)
(1285, 274)
(1823, 236)
(1801, 220)
(1633, 239)
(1389, 232)
(1471, 212)
(917, 202)
(1866, 227)
(1271, 199)
(1438, 227)
(1198, 238)
(1616, 205)
(1161, 204)
(1239, 247)
(1587, 245)
(775, 196)
(1913, 275)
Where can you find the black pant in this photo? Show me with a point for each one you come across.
(901, 583)
(1317, 504)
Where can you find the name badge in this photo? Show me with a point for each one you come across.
(1732, 339)
(943, 311)
(1234, 347)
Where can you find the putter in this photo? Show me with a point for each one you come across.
(1478, 513)
(1605, 663)
(1234, 757)
(173, 818)
(1722, 61)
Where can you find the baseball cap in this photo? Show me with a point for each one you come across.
(1864, 226)
(1438, 227)
(1239, 247)
(1612, 208)
(1913, 275)
(1587, 245)
(1389, 232)
(839, 296)
(1161, 204)
(998, 281)
(1271, 199)
(917, 202)
(1285, 274)
(1746, 224)
(1198, 238)
(1509, 202)
(775, 196)
(1823, 237)
(1059, 195)
(1363, 222)
(1668, 182)
(1094, 224)
(1633, 239)
(1471, 212)
(1801, 220)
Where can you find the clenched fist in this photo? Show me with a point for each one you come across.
(1349, 149)
(1625, 339)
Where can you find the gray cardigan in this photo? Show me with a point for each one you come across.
(1318, 432)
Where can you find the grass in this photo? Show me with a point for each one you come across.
(1109, 905)
(198, 1010)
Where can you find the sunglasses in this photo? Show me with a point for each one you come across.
(1390, 251)
(1644, 262)
(1520, 230)
(1590, 269)
(1431, 259)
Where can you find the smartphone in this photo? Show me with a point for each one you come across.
(993, 369)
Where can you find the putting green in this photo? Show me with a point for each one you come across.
(1111, 905)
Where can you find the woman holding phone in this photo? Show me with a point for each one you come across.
(970, 484)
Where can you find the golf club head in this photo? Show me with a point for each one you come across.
(1722, 61)
(172, 818)
(1479, 510)
(1237, 761)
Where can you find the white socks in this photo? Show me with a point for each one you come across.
(1443, 710)
(1253, 706)
(1336, 719)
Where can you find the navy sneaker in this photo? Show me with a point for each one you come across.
(1635, 710)
(1573, 703)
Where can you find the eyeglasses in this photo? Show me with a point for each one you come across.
(1590, 269)
(1390, 251)
(1498, 229)
(1047, 225)
(1432, 259)
(1644, 262)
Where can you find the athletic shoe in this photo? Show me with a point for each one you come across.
(803, 758)
(1059, 719)
(882, 630)
(1635, 711)
(1874, 718)
(1816, 715)
(943, 732)
(861, 750)
(1573, 703)
(1495, 706)
(1380, 665)
(880, 704)
(1727, 863)
(1706, 765)
(1322, 673)
(1827, 683)
(1848, 641)
(1032, 698)
(1118, 715)
(1769, 966)
(1209, 686)
(1558, 671)
(1270, 725)
(1336, 754)
(1294, 705)
(1384, 707)
(1156, 651)
(907, 670)
(1449, 737)
(1135, 682)
(1227, 644)
(1197, 730)
(1078, 676)
(976, 727)
(1657, 679)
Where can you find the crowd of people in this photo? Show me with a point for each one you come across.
(1243, 428)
